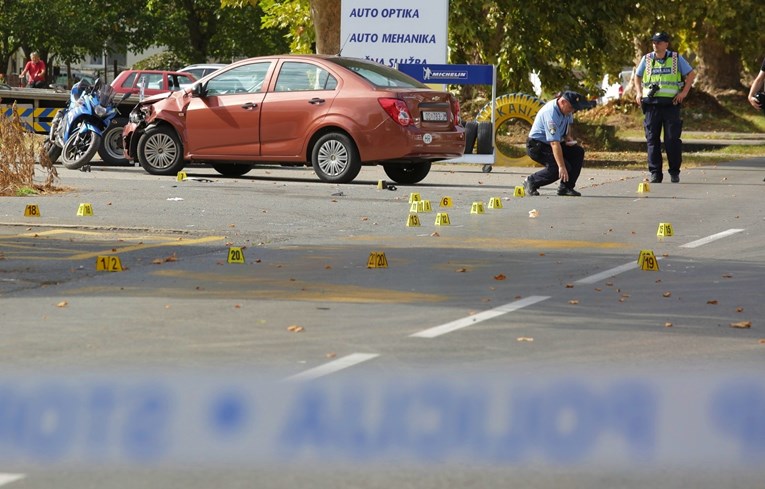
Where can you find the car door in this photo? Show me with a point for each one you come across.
(301, 95)
(225, 122)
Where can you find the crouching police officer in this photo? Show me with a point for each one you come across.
(550, 143)
(663, 80)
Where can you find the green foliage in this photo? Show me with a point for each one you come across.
(161, 61)
(293, 17)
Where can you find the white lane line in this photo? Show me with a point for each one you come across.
(608, 273)
(709, 239)
(477, 318)
(332, 367)
(8, 478)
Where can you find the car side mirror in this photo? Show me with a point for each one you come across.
(199, 89)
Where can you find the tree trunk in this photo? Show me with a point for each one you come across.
(326, 21)
(719, 66)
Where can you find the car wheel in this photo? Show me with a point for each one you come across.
(335, 158)
(160, 151)
(485, 137)
(232, 170)
(471, 130)
(110, 149)
(407, 173)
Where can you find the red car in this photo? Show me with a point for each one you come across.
(129, 81)
(330, 112)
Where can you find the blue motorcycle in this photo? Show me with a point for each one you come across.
(76, 131)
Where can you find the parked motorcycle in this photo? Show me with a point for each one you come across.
(76, 131)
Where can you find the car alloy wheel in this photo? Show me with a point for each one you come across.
(335, 158)
(160, 151)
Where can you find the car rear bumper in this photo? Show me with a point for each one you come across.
(402, 143)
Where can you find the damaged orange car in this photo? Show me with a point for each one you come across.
(333, 113)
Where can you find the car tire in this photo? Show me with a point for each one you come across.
(407, 173)
(335, 158)
(471, 131)
(232, 169)
(160, 151)
(110, 149)
(485, 138)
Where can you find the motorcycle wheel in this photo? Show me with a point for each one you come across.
(52, 150)
(80, 149)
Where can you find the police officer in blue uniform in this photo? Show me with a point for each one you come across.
(550, 143)
(663, 80)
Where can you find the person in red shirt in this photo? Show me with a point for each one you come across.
(35, 71)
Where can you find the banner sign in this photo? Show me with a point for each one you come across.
(450, 74)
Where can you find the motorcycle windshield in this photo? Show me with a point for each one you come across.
(106, 95)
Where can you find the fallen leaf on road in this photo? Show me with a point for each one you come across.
(667, 294)
(527, 339)
(295, 329)
(727, 275)
(573, 301)
(461, 270)
(668, 325)
(739, 309)
(62, 304)
(569, 286)
(712, 301)
(331, 355)
(435, 235)
(499, 277)
(741, 325)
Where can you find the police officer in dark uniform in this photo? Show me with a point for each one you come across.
(550, 143)
(664, 79)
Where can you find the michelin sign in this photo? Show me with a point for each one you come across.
(401, 32)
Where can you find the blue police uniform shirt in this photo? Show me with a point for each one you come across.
(682, 64)
(550, 124)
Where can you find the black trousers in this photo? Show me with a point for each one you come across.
(542, 154)
(666, 118)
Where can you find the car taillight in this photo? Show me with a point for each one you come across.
(397, 109)
(455, 109)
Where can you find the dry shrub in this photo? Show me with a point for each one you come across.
(19, 149)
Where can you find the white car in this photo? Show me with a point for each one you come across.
(613, 91)
(201, 70)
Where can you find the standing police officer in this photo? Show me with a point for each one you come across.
(664, 79)
(550, 144)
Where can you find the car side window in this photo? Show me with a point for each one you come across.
(129, 81)
(242, 79)
(295, 76)
(153, 80)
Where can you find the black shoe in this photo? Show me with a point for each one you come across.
(529, 188)
(568, 192)
(675, 178)
(656, 177)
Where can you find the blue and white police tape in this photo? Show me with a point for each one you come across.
(223, 420)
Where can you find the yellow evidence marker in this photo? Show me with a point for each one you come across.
(181, 176)
(519, 191)
(413, 221)
(32, 210)
(426, 206)
(665, 229)
(235, 255)
(414, 197)
(108, 263)
(643, 187)
(377, 260)
(476, 208)
(85, 210)
(647, 261)
(446, 202)
(495, 203)
(442, 219)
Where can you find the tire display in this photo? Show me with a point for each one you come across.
(471, 132)
(485, 138)
(514, 114)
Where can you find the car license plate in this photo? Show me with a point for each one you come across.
(434, 116)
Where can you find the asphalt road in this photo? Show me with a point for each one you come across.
(502, 299)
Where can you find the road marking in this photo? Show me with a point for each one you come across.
(709, 239)
(609, 273)
(8, 478)
(332, 367)
(477, 318)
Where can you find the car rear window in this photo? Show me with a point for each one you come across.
(377, 74)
